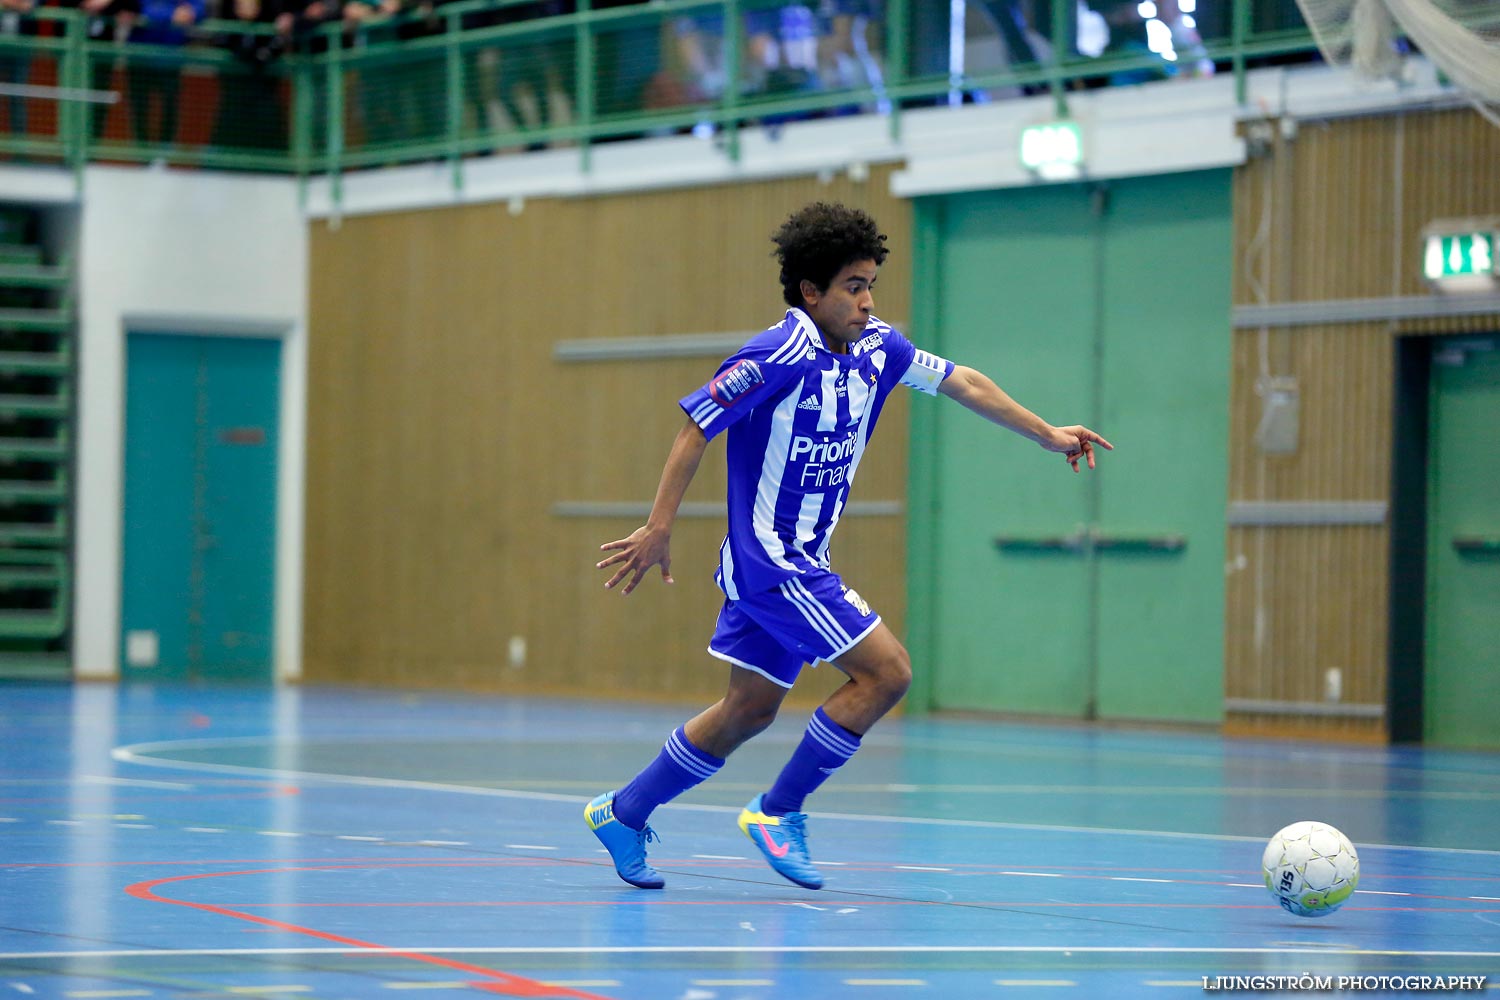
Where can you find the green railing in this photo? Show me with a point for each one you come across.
(452, 83)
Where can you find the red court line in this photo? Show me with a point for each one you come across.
(495, 981)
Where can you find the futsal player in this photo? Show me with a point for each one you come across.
(799, 403)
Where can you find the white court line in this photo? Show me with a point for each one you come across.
(101, 779)
(920, 868)
(1034, 874)
(530, 847)
(132, 754)
(720, 857)
(1377, 892)
(797, 949)
(1123, 878)
(426, 986)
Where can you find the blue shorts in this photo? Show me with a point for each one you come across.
(808, 618)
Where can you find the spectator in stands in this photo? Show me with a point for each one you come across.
(517, 77)
(1152, 29)
(780, 52)
(250, 110)
(847, 60)
(416, 86)
(15, 61)
(108, 21)
(162, 23)
(367, 21)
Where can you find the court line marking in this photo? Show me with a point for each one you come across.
(513, 984)
(133, 754)
(918, 949)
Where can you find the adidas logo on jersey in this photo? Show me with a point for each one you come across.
(810, 403)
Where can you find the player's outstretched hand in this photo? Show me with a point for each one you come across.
(646, 547)
(1075, 443)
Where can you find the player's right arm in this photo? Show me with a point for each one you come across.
(651, 543)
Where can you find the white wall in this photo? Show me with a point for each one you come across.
(197, 252)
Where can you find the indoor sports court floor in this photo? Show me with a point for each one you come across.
(174, 842)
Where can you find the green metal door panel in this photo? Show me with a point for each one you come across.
(1461, 683)
(200, 503)
(240, 530)
(160, 393)
(1165, 403)
(1015, 299)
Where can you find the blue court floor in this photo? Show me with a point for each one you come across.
(328, 843)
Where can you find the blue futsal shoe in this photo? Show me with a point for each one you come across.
(626, 846)
(783, 842)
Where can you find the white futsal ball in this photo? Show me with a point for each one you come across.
(1310, 868)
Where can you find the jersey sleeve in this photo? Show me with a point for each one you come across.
(913, 368)
(751, 375)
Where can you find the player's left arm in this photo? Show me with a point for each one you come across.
(978, 392)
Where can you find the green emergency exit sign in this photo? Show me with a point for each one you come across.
(1450, 256)
(1053, 151)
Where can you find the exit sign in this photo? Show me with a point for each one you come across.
(1053, 151)
(1460, 258)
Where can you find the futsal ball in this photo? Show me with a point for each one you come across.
(1310, 868)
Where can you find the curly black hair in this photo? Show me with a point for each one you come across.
(819, 241)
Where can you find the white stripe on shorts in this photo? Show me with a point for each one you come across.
(817, 616)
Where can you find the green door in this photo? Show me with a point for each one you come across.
(200, 507)
(1098, 594)
(1461, 694)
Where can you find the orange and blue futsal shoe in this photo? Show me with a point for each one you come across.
(626, 847)
(783, 842)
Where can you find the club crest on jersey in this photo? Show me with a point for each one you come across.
(735, 381)
(852, 596)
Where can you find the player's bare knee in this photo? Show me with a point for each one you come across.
(895, 675)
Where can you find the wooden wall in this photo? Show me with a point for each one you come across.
(1333, 212)
(441, 433)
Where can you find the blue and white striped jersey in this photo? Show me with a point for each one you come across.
(798, 418)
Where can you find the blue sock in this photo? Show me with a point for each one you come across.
(824, 748)
(678, 767)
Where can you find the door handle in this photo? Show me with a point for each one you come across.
(1476, 545)
(1092, 538)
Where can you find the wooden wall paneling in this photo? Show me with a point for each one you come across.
(443, 432)
(1332, 210)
